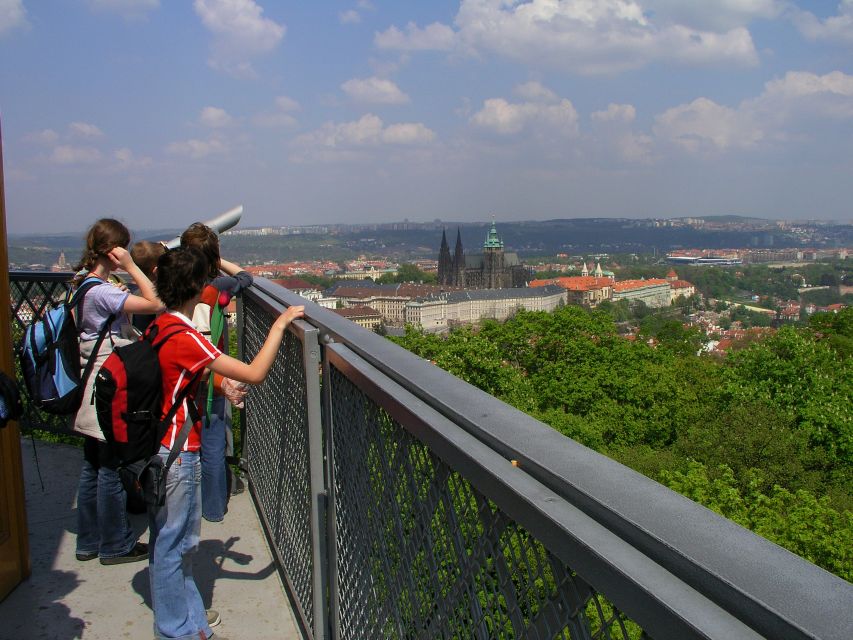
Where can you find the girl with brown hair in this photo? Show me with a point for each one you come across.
(102, 525)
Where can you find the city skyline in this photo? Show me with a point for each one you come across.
(363, 111)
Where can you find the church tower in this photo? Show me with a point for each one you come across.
(493, 260)
(445, 262)
(459, 262)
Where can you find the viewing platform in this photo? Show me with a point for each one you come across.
(64, 598)
(401, 502)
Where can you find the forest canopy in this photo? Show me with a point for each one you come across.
(764, 437)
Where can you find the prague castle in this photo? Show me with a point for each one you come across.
(492, 269)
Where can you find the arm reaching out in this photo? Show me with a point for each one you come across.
(255, 371)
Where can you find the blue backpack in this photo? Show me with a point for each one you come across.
(50, 356)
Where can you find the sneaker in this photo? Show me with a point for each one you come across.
(85, 557)
(213, 618)
(137, 553)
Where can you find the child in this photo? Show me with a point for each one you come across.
(102, 526)
(178, 608)
(145, 254)
(216, 435)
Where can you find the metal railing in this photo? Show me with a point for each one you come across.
(401, 502)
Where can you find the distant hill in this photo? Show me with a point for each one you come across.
(405, 241)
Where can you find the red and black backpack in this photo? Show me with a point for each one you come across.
(129, 397)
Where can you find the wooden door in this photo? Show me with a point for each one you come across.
(14, 548)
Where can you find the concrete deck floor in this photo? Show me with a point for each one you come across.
(65, 598)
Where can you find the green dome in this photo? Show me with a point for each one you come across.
(492, 239)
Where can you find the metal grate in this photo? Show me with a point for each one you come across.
(31, 294)
(276, 450)
(422, 554)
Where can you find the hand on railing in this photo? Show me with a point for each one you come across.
(234, 391)
(290, 314)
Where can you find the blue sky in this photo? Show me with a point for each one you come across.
(161, 113)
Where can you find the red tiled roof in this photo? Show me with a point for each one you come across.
(679, 284)
(630, 285)
(294, 283)
(357, 312)
(575, 283)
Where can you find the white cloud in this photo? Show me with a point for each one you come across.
(215, 118)
(129, 9)
(240, 32)
(799, 101)
(508, 118)
(535, 92)
(45, 136)
(837, 28)
(614, 137)
(604, 36)
(615, 113)
(280, 116)
(68, 154)
(714, 15)
(802, 95)
(703, 122)
(374, 91)
(437, 36)
(84, 130)
(12, 15)
(349, 17)
(197, 149)
(125, 160)
(346, 140)
(408, 133)
(285, 103)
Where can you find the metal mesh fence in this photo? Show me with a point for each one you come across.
(31, 294)
(276, 450)
(423, 554)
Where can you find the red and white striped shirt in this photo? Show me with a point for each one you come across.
(181, 357)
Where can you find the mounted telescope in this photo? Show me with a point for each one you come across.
(220, 223)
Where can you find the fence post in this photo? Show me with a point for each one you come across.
(311, 362)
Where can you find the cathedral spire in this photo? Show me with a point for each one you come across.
(445, 262)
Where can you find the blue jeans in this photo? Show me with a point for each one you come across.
(175, 528)
(214, 471)
(102, 524)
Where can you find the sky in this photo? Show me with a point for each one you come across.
(163, 112)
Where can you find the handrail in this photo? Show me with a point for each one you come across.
(673, 566)
(775, 592)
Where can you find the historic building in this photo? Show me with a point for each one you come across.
(492, 269)
(437, 312)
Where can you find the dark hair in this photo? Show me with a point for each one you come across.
(103, 236)
(181, 275)
(145, 254)
(202, 237)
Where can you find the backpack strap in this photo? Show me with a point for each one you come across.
(75, 296)
(75, 300)
(191, 419)
(90, 363)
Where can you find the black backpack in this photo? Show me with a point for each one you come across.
(129, 397)
(128, 402)
(50, 355)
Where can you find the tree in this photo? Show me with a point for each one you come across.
(408, 273)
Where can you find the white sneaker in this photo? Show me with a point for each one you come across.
(213, 617)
